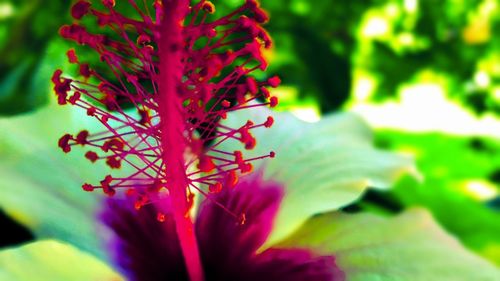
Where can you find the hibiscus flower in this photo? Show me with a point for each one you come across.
(292, 230)
(177, 115)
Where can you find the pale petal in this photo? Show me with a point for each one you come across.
(52, 261)
(408, 247)
(40, 186)
(323, 166)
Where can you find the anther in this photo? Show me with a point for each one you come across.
(215, 188)
(64, 143)
(269, 122)
(145, 117)
(114, 144)
(88, 187)
(74, 98)
(85, 70)
(105, 183)
(242, 219)
(114, 162)
(140, 201)
(265, 92)
(252, 85)
(231, 179)
(206, 164)
(208, 7)
(91, 111)
(249, 123)
(80, 9)
(92, 156)
(130, 192)
(143, 39)
(274, 81)
(161, 217)
(250, 143)
(189, 205)
(246, 168)
(82, 136)
(109, 3)
(72, 58)
(273, 101)
(261, 16)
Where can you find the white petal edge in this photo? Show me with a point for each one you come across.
(408, 247)
(40, 186)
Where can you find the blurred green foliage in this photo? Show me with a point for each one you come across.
(458, 40)
(27, 29)
(320, 46)
(459, 176)
(323, 49)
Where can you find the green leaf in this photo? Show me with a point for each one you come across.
(52, 261)
(40, 186)
(323, 166)
(456, 184)
(408, 247)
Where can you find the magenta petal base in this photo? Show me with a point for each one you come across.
(146, 249)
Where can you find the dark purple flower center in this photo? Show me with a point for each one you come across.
(148, 250)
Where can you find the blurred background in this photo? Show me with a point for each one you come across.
(425, 74)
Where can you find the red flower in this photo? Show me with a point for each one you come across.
(180, 73)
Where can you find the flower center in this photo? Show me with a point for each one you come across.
(165, 81)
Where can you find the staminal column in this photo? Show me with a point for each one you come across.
(173, 127)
